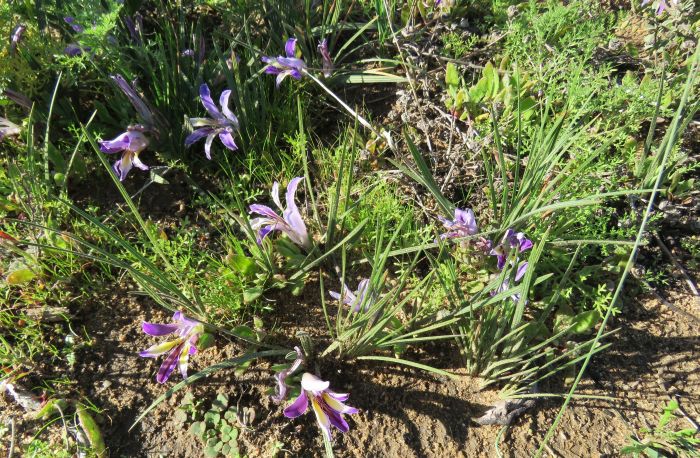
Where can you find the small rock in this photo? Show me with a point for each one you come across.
(106, 384)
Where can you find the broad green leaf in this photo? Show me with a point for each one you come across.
(20, 277)
(451, 75)
(251, 294)
(242, 264)
(89, 425)
(583, 322)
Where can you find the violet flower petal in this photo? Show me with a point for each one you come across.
(117, 145)
(198, 135)
(290, 47)
(298, 407)
(205, 97)
(157, 329)
(227, 139)
(223, 101)
(207, 145)
(521, 271)
(168, 365)
(292, 215)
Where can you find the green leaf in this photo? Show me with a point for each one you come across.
(245, 332)
(222, 400)
(668, 413)
(584, 321)
(157, 174)
(19, 277)
(491, 80)
(94, 435)
(197, 428)
(451, 75)
(205, 340)
(242, 264)
(212, 417)
(251, 294)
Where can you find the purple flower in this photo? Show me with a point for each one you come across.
(291, 223)
(285, 66)
(354, 299)
(511, 240)
(282, 376)
(661, 6)
(219, 124)
(130, 144)
(463, 225)
(16, 37)
(327, 405)
(8, 128)
(179, 349)
(75, 26)
(326, 55)
(74, 49)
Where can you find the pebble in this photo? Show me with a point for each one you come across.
(106, 384)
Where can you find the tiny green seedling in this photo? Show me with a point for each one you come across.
(215, 424)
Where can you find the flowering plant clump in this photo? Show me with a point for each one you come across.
(290, 65)
(130, 144)
(291, 222)
(326, 404)
(222, 122)
(179, 349)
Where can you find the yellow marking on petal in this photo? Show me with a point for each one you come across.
(321, 416)
(184, 358)
(333, 403)
(126, 159)
(164, 347)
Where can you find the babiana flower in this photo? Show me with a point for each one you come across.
(463, 225)
(326, 56)
(354, 299)
(74, 49)
(221, 124)
(130, 144)
(17, 34)
(327, 405)
(179, 349)
(74, 25)
(291, 222)
(511, 240)
(661, 5)
(285, 66)
(281, 378)
(8, 128)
